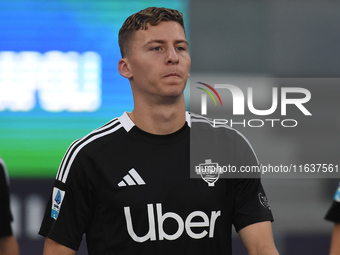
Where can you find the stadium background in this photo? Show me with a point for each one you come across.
(228, 39)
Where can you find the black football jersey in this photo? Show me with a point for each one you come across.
(130, 192)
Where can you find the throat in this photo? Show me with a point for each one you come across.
(160, 121)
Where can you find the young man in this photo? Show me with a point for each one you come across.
(127, 184)
(333, 215)
(8, 243)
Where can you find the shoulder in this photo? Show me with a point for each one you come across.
(210, 133)
(114, 130)
(2, 165)
(100, 136)
(97, 138)
(83, 150)
(3, 172)
(214, 127)
(199, 121)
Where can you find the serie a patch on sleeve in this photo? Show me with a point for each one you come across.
(57, 200)
(337, 195)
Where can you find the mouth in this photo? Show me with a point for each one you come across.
(172, 75)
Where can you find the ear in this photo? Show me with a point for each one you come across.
(124, 68)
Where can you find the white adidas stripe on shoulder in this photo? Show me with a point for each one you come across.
(198, 118)
(77, 145)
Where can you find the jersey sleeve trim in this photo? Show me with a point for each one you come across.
(77, 145)
(254, 220)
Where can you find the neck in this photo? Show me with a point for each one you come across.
(161, 119)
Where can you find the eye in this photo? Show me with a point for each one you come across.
(156, 48)
(180, 48)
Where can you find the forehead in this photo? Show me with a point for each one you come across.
(165, 31)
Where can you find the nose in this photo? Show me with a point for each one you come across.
(172, 57)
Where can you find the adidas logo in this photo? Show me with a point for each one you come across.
(132, 178)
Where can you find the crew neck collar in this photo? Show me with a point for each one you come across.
(140, 134)
(128, 123)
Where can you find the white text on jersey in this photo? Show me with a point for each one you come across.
(186, 224)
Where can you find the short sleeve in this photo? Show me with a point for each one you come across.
(5, 212)
(68, 210)
(250, 203)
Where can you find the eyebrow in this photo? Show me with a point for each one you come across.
(163, 42)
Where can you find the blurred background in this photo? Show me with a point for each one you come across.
(59, 81)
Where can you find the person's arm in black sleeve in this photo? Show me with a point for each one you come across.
(69, 208)
(8, 243)
(252, 215)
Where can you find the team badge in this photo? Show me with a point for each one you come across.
(210, 172)
(57, 199)
(264, 201)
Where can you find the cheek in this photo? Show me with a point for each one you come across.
(187, 62)
(145, 75)
(139, 69)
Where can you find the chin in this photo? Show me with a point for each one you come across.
(176, 89)
(174, 95)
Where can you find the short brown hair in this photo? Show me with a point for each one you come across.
(140, 20)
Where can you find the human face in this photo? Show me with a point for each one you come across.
(159, 62)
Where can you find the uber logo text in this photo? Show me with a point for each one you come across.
(186, 224)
